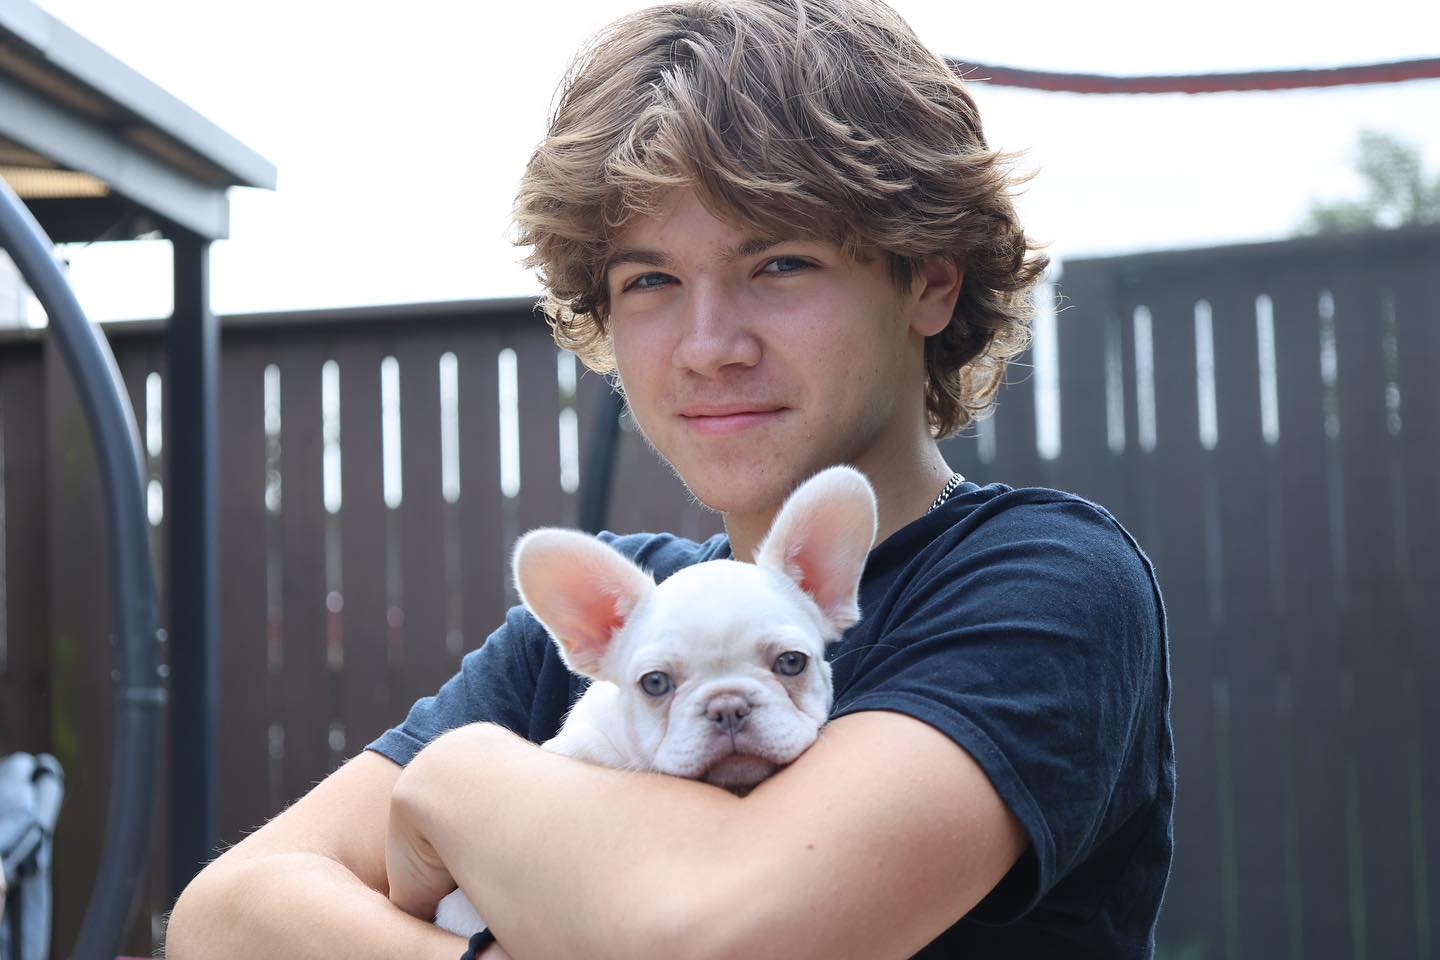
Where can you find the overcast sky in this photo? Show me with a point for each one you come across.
(400, 131)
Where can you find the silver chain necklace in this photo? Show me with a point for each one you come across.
(950, 487)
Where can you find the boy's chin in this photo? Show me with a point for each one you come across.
(734, 492)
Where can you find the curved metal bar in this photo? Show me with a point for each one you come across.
(140, 695)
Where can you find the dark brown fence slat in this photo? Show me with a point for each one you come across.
(244, 717)
(591, 392)
(1417, 291)
(1247, 639)
(25, 703)
(1310, 620)
(1016, 460)
(1081, 333)
(366, 705)
(1176, 470)
(82, 654)
(303, 679)
(421, 520)
(1380, 711)
(1014, 426)
(542, 502)
(484, 559)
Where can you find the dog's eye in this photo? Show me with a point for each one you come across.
(656, 683)
(791, 663)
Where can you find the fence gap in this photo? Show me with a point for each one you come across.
(1334, 476)
(569, 422)
(450, 427)
(1205, 374)
(154, 447)
(450, 496)
(1114, 386)
(1390, 352)
(274, 559)
(1045, 353)
(509, 400)
(390, 431)
(986, 439)
(1144, 379)
(1269, 387)
(332, 494)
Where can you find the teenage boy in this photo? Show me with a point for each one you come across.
(778, 222)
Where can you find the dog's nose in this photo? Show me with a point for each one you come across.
(728, 711)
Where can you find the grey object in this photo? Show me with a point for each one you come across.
(31, 789)
(100, 152)
(67, 105)
(140, 694)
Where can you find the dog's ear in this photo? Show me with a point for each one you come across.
(820, 539)
(580, 590)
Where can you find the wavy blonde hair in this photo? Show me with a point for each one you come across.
(789, 118)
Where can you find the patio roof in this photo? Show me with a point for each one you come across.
(97, 151)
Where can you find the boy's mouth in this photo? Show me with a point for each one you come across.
(727, 419)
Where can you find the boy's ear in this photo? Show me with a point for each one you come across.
(580, 590)
(820, 539)
(935, 288)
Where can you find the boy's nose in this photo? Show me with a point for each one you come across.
(715, 336)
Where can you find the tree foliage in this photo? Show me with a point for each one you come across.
(1397, 190)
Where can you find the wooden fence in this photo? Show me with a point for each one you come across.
(1266, 419)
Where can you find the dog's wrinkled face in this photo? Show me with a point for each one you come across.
(726, 673)
(720, 670)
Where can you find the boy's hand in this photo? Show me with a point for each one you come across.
(417, 877)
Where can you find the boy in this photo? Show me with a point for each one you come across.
(778, 222)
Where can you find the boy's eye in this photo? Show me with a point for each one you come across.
(647, 281)
(785, 265)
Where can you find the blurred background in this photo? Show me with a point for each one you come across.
(1234, 352)
(400, 133)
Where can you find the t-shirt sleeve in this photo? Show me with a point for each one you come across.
(1034, 640)
(495, 684)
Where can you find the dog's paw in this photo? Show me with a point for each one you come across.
(458, 915)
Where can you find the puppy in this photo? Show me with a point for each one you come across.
(717, 674)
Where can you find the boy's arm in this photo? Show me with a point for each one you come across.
(310, 883)
(875, 841)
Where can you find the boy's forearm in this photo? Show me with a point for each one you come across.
(295, 905)
(533, 847)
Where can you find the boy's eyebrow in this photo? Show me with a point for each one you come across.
(650, 258)
(748, 247)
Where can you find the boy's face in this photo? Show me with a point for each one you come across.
(751, 366)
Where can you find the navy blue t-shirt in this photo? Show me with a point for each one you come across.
(1027, 626)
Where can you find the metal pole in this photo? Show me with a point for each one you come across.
(139, 694)
(600, 461)
(193, 344)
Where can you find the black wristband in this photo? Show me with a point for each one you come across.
(478, 942)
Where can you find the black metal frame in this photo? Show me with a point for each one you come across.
(140, 693)
(192, 386)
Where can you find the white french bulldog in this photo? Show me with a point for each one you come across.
(717, 674)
